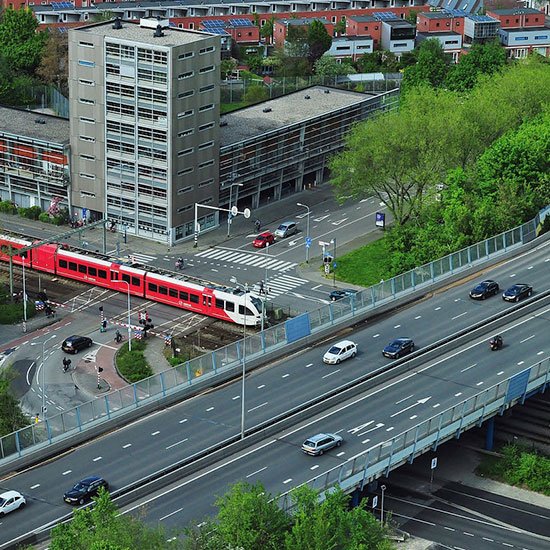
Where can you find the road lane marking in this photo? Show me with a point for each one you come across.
(437, 308)
(397, 326)
(309, 365)
(331, 373)
(287, 480)
(375, 335)
(178, 443)
(527, 339)
(236, 397)
(182, 421)
(35, 486)
(66, 472)
(361, 426)
(467, 534)
(126, 446)
(365, 441)
(457, 316)
(468, 368)
(261, 386)
(413, 417)
(210, 409)
(97, 458)
(404, 399)
(448, 528)
(520, 363)
(458, 394)
(285, 375)
(422, 401)
(488, 539)
(171, 514)
(256, 472)
(155, 433)
(418, 317)
(314, 467)
(500, 372)
(479, 384)
(341, 453)
(257, 407)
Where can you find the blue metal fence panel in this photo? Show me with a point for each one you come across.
(297, 328)
(517, 385)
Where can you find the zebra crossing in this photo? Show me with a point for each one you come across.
(279, 285)
(141, 258)
(263, 261)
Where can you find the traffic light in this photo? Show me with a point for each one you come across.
(99, 369)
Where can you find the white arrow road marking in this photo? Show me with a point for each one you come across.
(340, 221)
(320, 219)
(419, 402)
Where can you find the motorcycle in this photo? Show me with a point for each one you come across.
(179, 263)
(118, 337)
(496, 343)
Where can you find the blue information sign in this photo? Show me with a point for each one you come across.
(380, 219)
(84, 212)
(308, 242)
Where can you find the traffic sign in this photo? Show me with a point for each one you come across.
(308, 242)
(246, 213)
(234, 210)
(334, 265)
(327, 269)
(434, 463)
(375, 501)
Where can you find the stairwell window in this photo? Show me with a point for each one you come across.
(188, 74)
(84, 63)
(206, 145)
(207, 69)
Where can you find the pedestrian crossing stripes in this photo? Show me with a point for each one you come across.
(141, 258)
(279, 285)
(263, 261)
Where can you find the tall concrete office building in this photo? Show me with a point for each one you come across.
(144, 121)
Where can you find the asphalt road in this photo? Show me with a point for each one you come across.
(168, 436)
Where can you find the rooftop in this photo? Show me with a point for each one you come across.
(351, 38)
(302, 21)
(363, 18)
(23, 123)
(441, 14)
(133, 31)
(290, 109)
(517, 11)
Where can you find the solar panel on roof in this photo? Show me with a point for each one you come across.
(385, 15)
(241, 22)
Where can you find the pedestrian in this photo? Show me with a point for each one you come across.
(262, 291)
(257, 225)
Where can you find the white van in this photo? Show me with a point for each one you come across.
(340, 352)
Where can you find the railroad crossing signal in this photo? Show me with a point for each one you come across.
(327, 268)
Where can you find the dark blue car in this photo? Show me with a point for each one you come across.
(398, 347)
(484, 290)
(516, 292)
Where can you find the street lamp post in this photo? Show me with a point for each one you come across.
(24, 296)
(43, 367)
(229, 214)
(307, 229)
(264, 286)
(234, 280)
(333, 241)
(129, 327)
(383, 489)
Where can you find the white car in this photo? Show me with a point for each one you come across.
(340, 352)
(10, 501)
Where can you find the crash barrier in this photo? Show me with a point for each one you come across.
(84, 421)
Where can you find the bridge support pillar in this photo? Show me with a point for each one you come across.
(356, 498)
(489, 434)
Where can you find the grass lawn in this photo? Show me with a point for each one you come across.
(364, 266)
(228, 107)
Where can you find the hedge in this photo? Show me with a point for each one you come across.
(132, 365)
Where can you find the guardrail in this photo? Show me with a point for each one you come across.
(70, 427)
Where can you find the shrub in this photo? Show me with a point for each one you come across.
(132, 365)
(44, 217)
(8, 207)
(13, 313)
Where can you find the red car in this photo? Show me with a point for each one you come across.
(263, 239)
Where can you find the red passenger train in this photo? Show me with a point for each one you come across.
(154, 284)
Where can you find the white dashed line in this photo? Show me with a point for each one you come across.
(341, 453)
(236, 397)
(155, 433)
(182, 421)
(458, 316)
(479, 384)
(178, 443)
(256, 472)
(330, 373)
(375, 335)
(527, 339)
(171, 514)
(397, 326)
(436, 405)
(418, 317)
(97, 458)
(468, 534)
(314, 467)
(285, 376)
(261, 386)
(365, 441)
(500, 373)
(287, 480)
(449, 528)
(257, 407)
(521, 362)
(66, 473)
(458, 394)
(126, 446)
(437, 308)
(209, 409)
(35, 486)
(468, 368)
(309, 365)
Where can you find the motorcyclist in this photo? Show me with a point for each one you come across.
(118, 336)
(179, 263)
(496, 341)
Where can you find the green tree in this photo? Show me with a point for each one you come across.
(412, 16)
(431, 67)
(256, 93)
(296, 44)
(390, 63)
(266, 31)
(318, 40)
(102, 528)
(340, 26)
(328, 66)
(370, 62)
(328, 525)
(54, 65)
(22, 43)
(11, 415)
(227, 66)
(483, 59)
(248, 518)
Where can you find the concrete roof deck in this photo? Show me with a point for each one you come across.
(250, 122)
(23, 123)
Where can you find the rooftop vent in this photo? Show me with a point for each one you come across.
(223, 123)
(267, 110)
(327, 91)
(158, 32)
(307, 97)
(117, 24)
(39, 121)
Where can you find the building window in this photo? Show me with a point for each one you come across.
(188, 74)
(206, 108)
(86, 101)
(87, 138)
(203, 127)
(207, 69)
(86, 176)
(86, 44)
(184, 190)
(186, 113)
(187, 170)
(185, 55)
(206, 50)
(87, 120)
(188, 93)
(185, 208)
(187, 151)
(84, 63)
(87, 157)
(186, 132)
(206, 182)
(205, 164)
(206, 88)
(87, 194)
(86, 82)
(206, 145)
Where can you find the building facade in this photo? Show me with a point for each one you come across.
(34, 159)
(144, 121)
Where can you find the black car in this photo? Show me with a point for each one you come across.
(517, 292)
(484, 290)
(85, 489)
(398, 347)
(73, 344)
(342, 293)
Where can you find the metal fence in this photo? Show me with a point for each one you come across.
(383, 457)
(181, 379)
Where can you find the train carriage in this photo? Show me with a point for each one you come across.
(15, 243)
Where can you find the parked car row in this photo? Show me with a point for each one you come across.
(286, 229)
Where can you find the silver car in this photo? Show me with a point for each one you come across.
(320, 443)
(285, 230)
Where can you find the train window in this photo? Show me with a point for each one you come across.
(63, 264)
(163, 290)
(219, 303)
(242, 311)
(136, 281)
(194, 298)
(184, 296)
(126, 278)
(72, 266)
(92, 271)
(172, 293)
(229, 306)
(206, 301)
(114, 276)
(82, 269)
(102, 274)
(153, 288)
